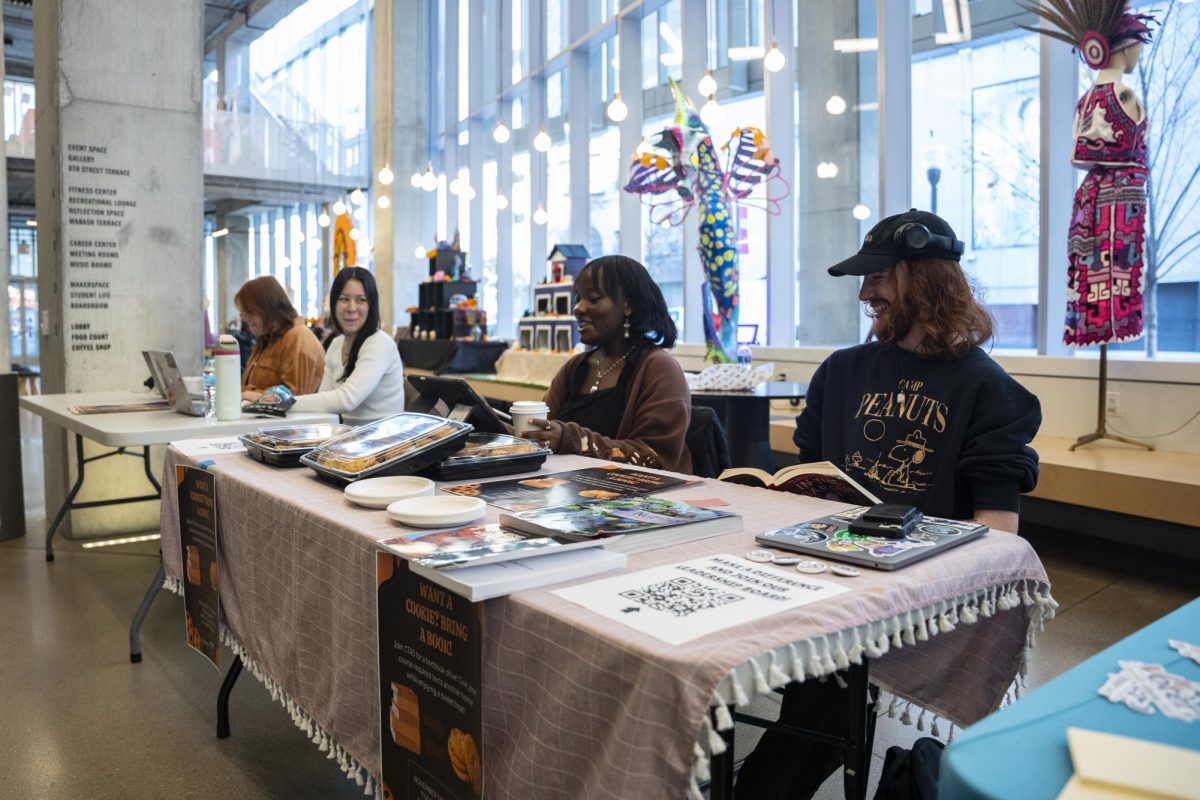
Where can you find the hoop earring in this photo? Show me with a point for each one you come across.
(627, 327)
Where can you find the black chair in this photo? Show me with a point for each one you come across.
(706, 441)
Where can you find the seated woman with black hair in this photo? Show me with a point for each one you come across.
(364, 378)
(625, 399)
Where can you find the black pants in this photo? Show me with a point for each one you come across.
(784, 767)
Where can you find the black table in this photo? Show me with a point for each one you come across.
(451, 356)
(746, 416)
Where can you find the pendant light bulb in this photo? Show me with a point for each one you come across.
(541, 142)
(339, 207)
(540, 217)
(617, 110)
(774, 59)
(323, 219)
(383, 201)
(501, 202)
(707, 85)
(501, 133)
(356, 196)
(710, 112)
(386, 176)
(415, 180)
(429, 181)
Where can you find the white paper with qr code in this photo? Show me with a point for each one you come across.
(680, 602)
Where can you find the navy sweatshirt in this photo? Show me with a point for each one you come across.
(949, 437)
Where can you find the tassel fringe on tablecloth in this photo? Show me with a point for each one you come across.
(325, 743)
(826, 655)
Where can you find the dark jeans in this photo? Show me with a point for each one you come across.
(784, 767)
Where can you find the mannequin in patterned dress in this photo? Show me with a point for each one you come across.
(1106, 242)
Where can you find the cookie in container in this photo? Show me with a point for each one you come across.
(283, 445)
(397, 445)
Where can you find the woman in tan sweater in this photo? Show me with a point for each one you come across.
(625, 399)
(285, 351)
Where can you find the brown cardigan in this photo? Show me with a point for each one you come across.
(293, 358)
(655, 422)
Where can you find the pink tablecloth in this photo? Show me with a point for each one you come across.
(578, 706)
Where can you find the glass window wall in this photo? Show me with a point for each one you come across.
(976, 158)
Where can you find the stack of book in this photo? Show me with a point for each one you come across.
(558, 527)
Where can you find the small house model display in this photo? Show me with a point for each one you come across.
(550, 324)
(447, 307)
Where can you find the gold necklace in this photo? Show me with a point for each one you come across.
(600, 373)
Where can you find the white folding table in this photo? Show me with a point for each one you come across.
(138, 429)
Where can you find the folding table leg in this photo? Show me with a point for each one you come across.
(135, 627)
(62, 512)
(860, 730)
(235, 669)
(720, 786)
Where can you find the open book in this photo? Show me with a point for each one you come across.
(816, 479)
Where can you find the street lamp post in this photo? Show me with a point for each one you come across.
(933, 156)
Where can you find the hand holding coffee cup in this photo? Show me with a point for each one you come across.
(529, 421)
(524, 412)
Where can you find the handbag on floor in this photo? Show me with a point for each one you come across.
(911, 774)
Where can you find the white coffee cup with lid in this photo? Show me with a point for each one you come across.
(523, 411)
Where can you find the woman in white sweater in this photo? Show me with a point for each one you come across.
(364, 379)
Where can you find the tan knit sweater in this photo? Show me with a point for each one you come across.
(293, 358)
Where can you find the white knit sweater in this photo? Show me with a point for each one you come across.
(374, 390)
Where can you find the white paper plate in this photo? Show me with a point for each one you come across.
(382, 492)
(437, 512)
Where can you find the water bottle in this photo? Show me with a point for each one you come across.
(744, 356)
(229, 378)
(210, 388)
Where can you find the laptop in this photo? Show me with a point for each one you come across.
(176, 390)
(157, 361)
(830, 538)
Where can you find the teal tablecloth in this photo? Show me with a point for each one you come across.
(1021, 751)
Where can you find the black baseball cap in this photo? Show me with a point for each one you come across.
(921, 235)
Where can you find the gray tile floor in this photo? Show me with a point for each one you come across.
(78, 720)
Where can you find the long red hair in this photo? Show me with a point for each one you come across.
(939, 301)
(264, 296)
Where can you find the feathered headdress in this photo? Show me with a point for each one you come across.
(1096, 28)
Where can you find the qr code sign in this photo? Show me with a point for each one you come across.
(681, 596)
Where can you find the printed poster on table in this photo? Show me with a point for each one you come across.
(430, 666)
(681, 602)
(198, 545)
(606, 482)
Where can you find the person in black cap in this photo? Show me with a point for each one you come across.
(920, 416)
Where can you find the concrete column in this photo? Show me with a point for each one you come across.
(579, 105)
(825, 226)
(506, 325)
(5, 274)
(780, 125)
(119, 198)
(401, 140)
(629, 82)
(895, 107)
(1059, 86)
(535, 45)
(693, 19)
(233, 73)
(233, 264)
